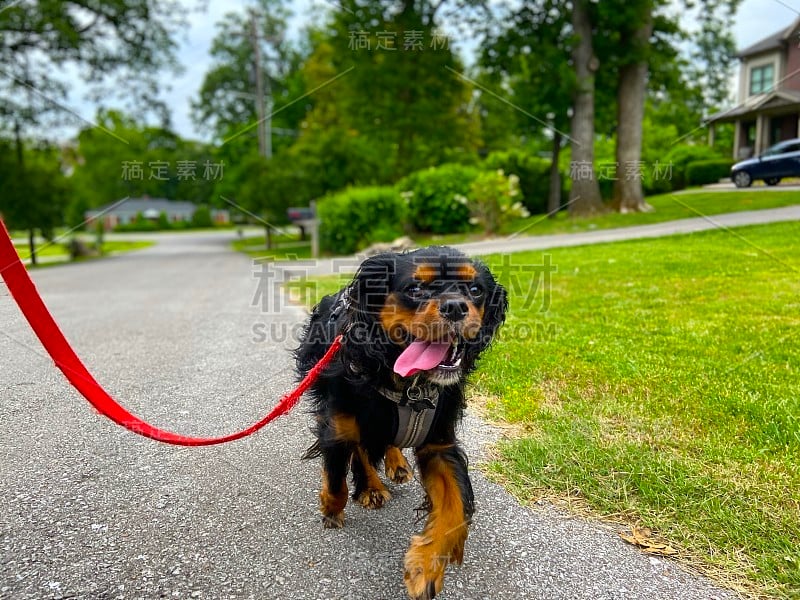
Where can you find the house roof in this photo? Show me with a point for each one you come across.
(771, 42)
(755, 104)
(137, 205)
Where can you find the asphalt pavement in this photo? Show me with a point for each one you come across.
(192, 337)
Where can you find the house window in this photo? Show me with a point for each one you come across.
(761, 79)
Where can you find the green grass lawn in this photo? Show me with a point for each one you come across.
(668, 207)
(662, 386)
(285, 247)
(60, 249)
(117, 247)
(657, 382)
(24, 250)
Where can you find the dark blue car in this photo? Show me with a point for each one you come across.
(779, 161)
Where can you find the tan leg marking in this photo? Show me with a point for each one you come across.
(331, 505)
(375, 494)
(345, 428)
(396, 465)
(442, 540)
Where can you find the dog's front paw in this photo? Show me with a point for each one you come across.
(424, 569)
(398, 474)
(397, 468)
(370, 498)
(333, 521)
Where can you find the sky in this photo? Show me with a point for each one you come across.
(755, 19)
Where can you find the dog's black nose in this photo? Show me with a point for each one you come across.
(454, 309)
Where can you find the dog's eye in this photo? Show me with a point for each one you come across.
(476, 290)
(415, 291)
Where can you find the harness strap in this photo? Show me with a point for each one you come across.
(416, 411)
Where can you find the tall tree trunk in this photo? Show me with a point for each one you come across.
(554, 193)
(268, 237)
(584, 197)
(21, 175)
(32, 245)
(631, 88)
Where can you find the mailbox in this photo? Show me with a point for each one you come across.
(300, 214)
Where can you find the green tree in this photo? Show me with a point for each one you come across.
(627, 45)
(111, 44)
(154, 162)
(400, 84)
(530, 57)
(584, 198)
(249, 186)
(630, 26)
(330, 152)
(227, 102)
(633, 58)
(202, 217)
(35, 191)
(714, 52)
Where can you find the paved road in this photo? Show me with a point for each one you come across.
(88, 510)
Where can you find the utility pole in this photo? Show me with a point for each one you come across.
(21, 161)
(262, 92)
(263, 125)
(267, 104)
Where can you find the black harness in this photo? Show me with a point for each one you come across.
(416, 403)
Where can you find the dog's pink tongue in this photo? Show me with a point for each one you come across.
(420, 356)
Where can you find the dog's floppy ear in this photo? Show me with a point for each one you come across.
(494, 310)
(372, 283)
(367, 341)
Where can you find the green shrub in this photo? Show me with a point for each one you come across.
(357, 217)
(702, 172)
(653, 184)
(494, 199)
(138, 224)
(680, 157)
(605, 182)
(656, 178)
(654, 170)
(533, 173)
(202, 217)
(431, 195)
(163, 220)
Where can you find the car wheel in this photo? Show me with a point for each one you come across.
(772, 180)
(742, 179)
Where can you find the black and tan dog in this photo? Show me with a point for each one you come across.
(414, 325)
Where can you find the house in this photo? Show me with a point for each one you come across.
(768, 96)
(127, 211)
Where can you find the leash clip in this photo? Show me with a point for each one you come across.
(418, 399)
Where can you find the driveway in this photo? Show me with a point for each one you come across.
(88, 510)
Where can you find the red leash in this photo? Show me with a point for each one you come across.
(30, 302)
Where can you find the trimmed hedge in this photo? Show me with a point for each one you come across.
(681, 156)
(431, 194)
(357, 217)
(702, 172)
(533, 173)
